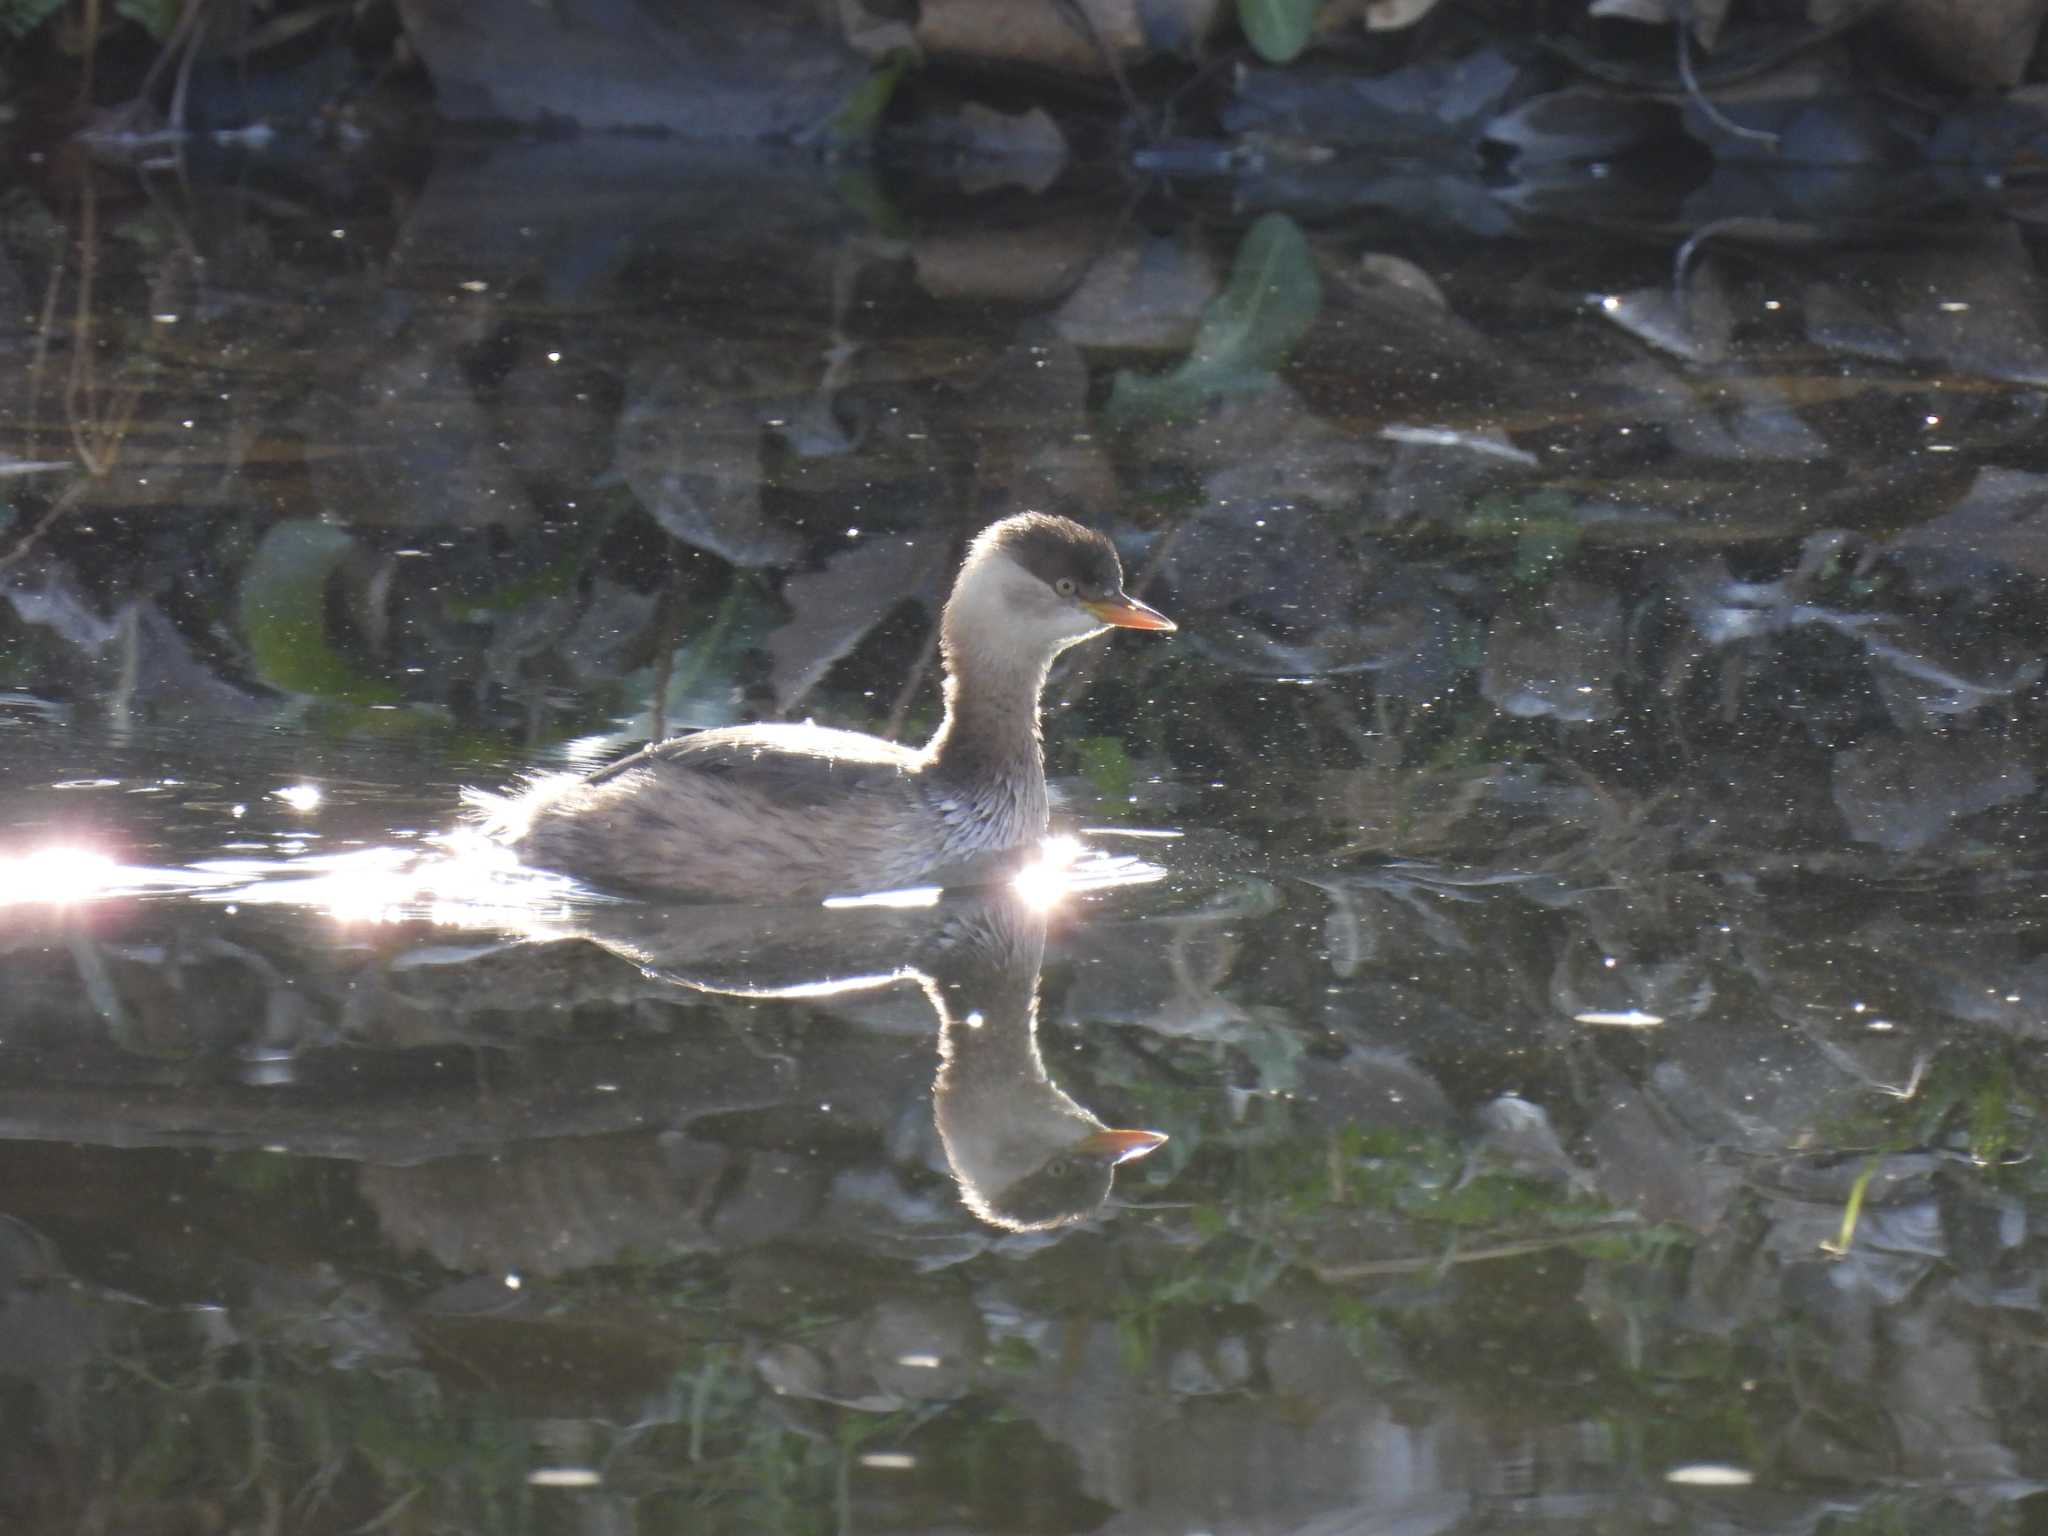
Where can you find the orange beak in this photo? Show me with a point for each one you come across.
(1126, 612)
(1120, 1146)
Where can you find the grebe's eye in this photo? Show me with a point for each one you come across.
(1064, 586)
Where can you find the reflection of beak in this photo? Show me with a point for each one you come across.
(1120, 1146)
(1126, 612)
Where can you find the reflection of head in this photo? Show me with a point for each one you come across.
(1025, 1155)
(1067, 1187)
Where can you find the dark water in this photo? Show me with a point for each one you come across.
(1570, 892)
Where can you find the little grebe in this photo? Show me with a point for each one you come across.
(798, 812)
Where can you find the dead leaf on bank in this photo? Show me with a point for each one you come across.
(1374, 15)
(1705, 16)
(1393, 15)
(1051, 36)
(870, 35)
(1971, 42)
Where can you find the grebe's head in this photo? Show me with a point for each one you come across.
(1044, 582)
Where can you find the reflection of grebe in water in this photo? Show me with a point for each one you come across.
(796, 812)
(1025, 1155)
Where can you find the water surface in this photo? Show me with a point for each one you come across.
(1568, 893)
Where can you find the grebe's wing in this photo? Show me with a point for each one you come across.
(799, 767)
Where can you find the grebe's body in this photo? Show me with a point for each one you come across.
(798, 812)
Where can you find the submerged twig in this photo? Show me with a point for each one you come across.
(1508, 1248)
(1076, 16)
(913, 682)
(26, 544)
(1852, 1212)
(1691, 82)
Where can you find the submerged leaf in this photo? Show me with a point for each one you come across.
(1277, 29)
(18, 18)
(701, 684)
(157, 17)
(854, 124)
(832, 609)
(283, 612)
(1107, 766)
(1271, 300)
(1247, 331)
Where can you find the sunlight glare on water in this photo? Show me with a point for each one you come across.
(58, 876)
(301, 797)
(1066, 865)
(63, 875)
(476, 883)
(1043, 882)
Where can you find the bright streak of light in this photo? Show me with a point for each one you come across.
(915, 896)
(1630, 1018)
(837, 986)
(1709, 1474)
(888, 1461)
(564, 1477)
(589, 749)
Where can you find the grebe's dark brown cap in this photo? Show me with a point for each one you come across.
(1056, 549)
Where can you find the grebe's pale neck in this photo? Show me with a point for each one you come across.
(1030, 588)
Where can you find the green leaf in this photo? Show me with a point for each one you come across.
(702, 684)
(853, 126)
(1107, 766)
(21, 17)
(282, 607)
(1247, 331)
(1277, 29)
(156, 17)
(1544, 526)
(1014, 1354)
(1543, 548)
(1133, 1345)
